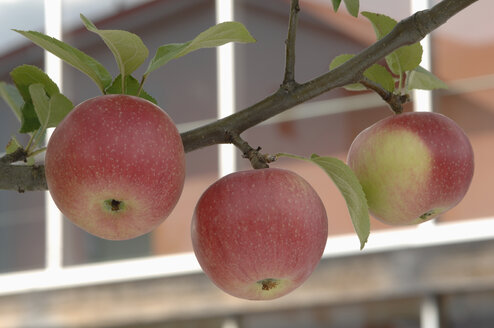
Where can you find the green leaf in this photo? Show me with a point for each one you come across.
(25, 75)
(381, 23)
(336, 4)
(40, 102)
(346, 181)
(29, 119)
(59, 106)
(128, 48)
(349, 186)
(72, 56)
(352, 6)
(420, 78)
(213, 37)
(131, 88)
(380, 75)
(376, 73)
(50, 110)
(12, 145)
(403, 59)
(12, 97)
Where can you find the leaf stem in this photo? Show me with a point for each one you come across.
(30, 142)
(143, 79)
(36, 152)
(123, 84)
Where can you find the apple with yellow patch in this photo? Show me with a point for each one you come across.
(412, 166)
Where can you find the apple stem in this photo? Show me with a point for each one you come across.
(114, 205)
(257, 160)
(269, 283)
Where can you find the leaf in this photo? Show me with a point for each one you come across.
(29, 119)
(25, 75)
(379, 74)
(349, 186)
(12, 145)
(12, 97)
(59, 106)
(352, 6)
(72, 56)
(403, 59)
(40, 102)
(131, 88)
(420, 78)
(336, 4)
(381, 23)
(52, 110)
(346, 181)
(128, 48)
(376, 73)
(212, 37)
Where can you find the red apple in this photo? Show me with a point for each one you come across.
(412, 166)
(259, 234)
(115, 166)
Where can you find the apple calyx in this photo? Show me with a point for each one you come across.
(113, 205)
(269, 283)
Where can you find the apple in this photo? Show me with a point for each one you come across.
(412, 166)
(115, 166)
(259, 234)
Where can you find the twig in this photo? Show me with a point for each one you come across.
(18, 155)
(289, 79)
(257, 160)
(395, 101)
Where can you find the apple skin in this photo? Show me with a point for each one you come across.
(115, 166)
(259, 234)
(412, 166)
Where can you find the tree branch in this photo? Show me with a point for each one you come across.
(289, 79)
(406, 32)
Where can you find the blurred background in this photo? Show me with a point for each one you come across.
(439, 274)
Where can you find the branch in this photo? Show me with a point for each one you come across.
(406, 32)
(289, 80)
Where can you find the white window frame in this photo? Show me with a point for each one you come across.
(55, 276)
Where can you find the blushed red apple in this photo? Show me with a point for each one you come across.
(115, 166)
(259, 234)
(412, 166)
